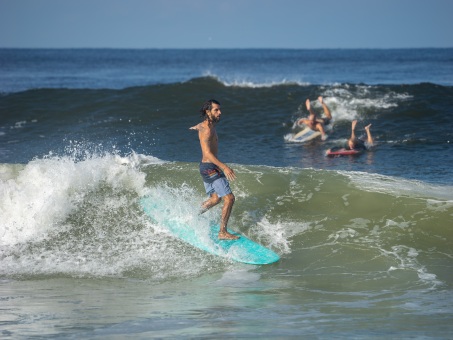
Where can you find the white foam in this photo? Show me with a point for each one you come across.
(351, 102)
(135, 160)
(398, 186)
(46, 191)
(277, 235)
(248, 83)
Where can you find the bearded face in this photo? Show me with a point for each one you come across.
(214, 113)
(214, 119)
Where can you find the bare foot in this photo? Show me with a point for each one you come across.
(225, 235)
(308, 104)
(367, 127)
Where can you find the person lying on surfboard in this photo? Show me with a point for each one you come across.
(214, 173)
(355, 143)
(314, 123)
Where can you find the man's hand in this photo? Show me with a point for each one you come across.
(229, 173)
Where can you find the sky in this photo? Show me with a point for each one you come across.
(300, 24)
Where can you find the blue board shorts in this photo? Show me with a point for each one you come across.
(214, 180)
(220, 186)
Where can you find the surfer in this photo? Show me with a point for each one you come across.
(314, 123)
(355, 143)
(215, 173)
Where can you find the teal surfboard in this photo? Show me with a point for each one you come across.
(241, 250)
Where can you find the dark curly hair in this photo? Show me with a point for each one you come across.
(207, 106)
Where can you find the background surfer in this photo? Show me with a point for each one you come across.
(355, 143)
(212, 170)
(317, 124)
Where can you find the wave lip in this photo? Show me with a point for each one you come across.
(39, 197)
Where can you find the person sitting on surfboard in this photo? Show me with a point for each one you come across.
(314, 123)
(215, 174)
(355, 143)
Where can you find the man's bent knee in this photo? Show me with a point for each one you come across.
(215, 199)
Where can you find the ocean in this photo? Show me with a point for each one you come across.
(366, 242)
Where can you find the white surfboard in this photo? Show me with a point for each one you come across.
(305, 135)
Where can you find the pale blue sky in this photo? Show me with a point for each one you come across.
(226, 23)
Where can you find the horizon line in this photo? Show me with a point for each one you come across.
(224, 48)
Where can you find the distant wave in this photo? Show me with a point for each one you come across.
(246, 82)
